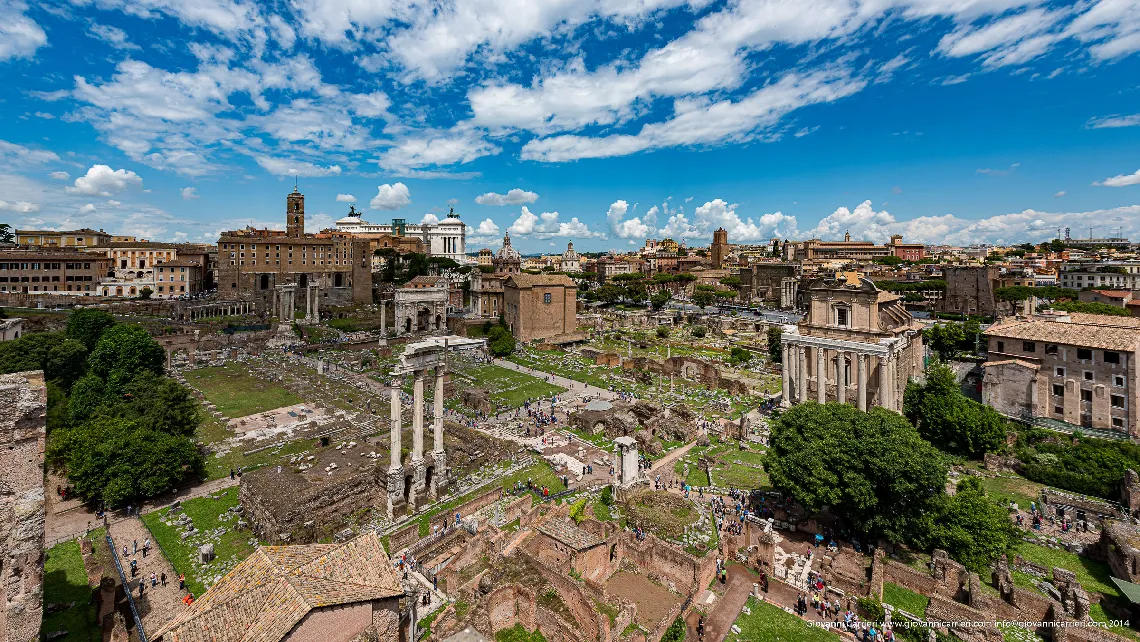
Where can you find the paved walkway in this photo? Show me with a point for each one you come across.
(727, 608)
(159, 604)
(569, 384)
(77, 522)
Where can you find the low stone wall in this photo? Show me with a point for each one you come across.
(510, 605)
(286, 507)
(687, 573)
(594, 625)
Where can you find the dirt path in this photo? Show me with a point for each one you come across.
(666, 462)
(78, 521)
(727, 608)
(159, 604)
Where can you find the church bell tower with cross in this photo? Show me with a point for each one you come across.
(295, 215)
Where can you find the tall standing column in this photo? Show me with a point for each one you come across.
(820, 375)
(894, 384)
(418, 417)
(884, 382)
(861, 381)
(786, 375)
(801, 374)
(383, 319)
(396, 428)
(438, 444)
(840, 377)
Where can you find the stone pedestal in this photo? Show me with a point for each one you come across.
(395, 491)
(438, 486)
(625, 461)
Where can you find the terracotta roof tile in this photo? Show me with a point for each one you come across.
(531, 280)
(1085, 330)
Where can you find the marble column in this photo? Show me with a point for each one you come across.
(884, 382)
(395, 440)
(821, 375)
(894, 384)
(801, 374)
(383, 319)
(418, 417)
(785, 371)
(861, 381)
(840, 377)
(438, 444)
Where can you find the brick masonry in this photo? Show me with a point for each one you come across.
(23, 400)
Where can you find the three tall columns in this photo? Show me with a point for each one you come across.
(418, 476)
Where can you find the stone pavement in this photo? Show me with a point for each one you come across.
(78, 521)
(161, 603)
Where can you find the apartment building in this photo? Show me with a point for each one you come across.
(36, 270)
(1066, 370)
(63, 238)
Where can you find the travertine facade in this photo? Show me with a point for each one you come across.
(23, 399)
(863, 344)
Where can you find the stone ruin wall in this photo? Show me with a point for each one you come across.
(510, 605)
(593, 625)
(23, 400)
(660, 560)
(324, 504)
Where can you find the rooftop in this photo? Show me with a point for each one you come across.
(532, 280)
(1085, 330)
(265, 596)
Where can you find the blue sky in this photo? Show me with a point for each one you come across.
(602, 122)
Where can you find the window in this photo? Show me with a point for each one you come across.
(1111, 357)
(1001, 346)
(1058, 390)
(1117, 401)
(1060, 372)
(1050, 348)
(1088, 375)
(547, 298)
(1084, 354)
(1028, 346)
(1118, 381)
(1060, 410)
(1086, 395)
(1118, 422)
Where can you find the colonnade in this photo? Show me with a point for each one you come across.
(841, 364)
(407, 480)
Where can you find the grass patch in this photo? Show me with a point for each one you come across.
(1012, 489)
(65, 582)
(220, 466)
(518, 634)
(1097, 614)
(905, 599)
(1093, 575)
(509, 389)
(236, 394)
(768, 623)
(207, 514)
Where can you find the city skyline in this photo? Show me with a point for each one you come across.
(599, 123)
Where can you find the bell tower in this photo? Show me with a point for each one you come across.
(295, 214)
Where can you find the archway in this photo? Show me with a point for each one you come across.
(428, 476)
(423, 319)
(407, 488)
(408, 325)
(264, 281)
(304, 280)
(438, 320)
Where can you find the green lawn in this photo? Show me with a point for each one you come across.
(230, 549)
(218, 467)
(905, 599)
(510, 389)
(1015, 489)
(740, 469)
(236, 393)
(65, 582)
(518, 634)
(1097, 614)
(1093, 575)
(768, 623)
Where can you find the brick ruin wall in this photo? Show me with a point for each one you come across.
(510, 605)
(23, 400)
(318, 505)
(410, 534)
(687, 574)
(594, 625)
(697, 370)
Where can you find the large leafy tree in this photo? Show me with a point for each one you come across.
(63, 360)
(88, 325)
(775, 347)
(871, 468)
(969, 525)
(500, 341)
(124, 351)
(945, 339)
(949, 419)
(659, 299)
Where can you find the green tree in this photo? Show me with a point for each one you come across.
(65, 362)
(659, 299)
(972, 527)
(88, 394)
(1091, 307)
(945, 339)
(698, 331)
(775, 346)
(950, 420)
(29, 352)
(500, 341)
(731, 282)
(124, 351)
(88, 325)
(703, 298)
(892, 260)
(871, 468)
(6, 234)
(662, 332)
(1013, 294)
(739, 356)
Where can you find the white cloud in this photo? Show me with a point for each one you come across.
(1114, 25)
(20, 36)
(14, 154)
(436, 149)
(1059, 194)
(546, 225)
(429, 219)
(87, 209)
(1015, 39)
(283, 167)
(515, 196)
(997, 172)
(864, 223)
(487, 228)
(1123, 180)
(1114, 121)
(626, 229)
(345, 198)
(719, 214)
(19, 207)
(189, 193)
(391, 197)
(101, 180)
(224, 17)
(60, 176)
(113, 36)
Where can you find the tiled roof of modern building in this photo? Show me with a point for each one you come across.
(1099, 331)
(265, 596)
(532, 280)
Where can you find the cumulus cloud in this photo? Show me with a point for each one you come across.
(487, 228)
(546, 225)
(429, 219)
(863, 223)
(627, 229)
(60, 176)
(345, 198)
(87, 209)
(101, 180)
(189, 193)
(1123, 180)
(515, 196)
(20, 36)
(719, 214)
(113, 36)
(19, 207)
(391, 197)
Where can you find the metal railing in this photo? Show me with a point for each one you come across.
(127, 588)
